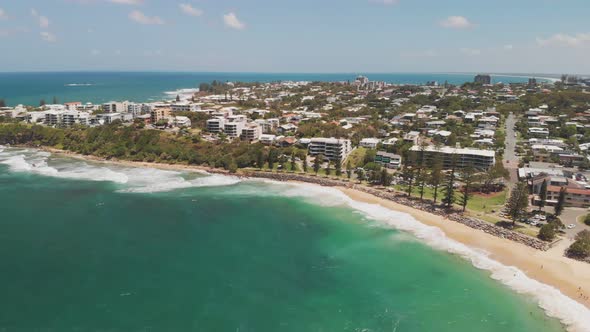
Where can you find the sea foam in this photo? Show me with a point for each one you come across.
(555, 304)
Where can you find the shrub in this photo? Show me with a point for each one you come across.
(547, 232)
(587, 220)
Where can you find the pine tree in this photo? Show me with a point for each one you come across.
(449, 189)
(467, 177)
(421, 178)
(328, 168)
(348, 170)
(409, 175)
(317, 163)
(435, 178)
(55, 101)
(385, 177)
(177, 98)
(260, 159)
(360, 174)
(2, 103)
(338, 167)
(42, 102)
(560, 202)
(518, 201)
(305, 163)
(543, 195)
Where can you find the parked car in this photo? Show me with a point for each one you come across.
(571, 226)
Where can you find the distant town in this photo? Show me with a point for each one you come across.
(514, 154)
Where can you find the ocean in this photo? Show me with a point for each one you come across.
(100, 247)
(101, 87)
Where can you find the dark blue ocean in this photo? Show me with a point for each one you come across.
(99, 87)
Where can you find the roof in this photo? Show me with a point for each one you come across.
(450, 150)
(569, 190)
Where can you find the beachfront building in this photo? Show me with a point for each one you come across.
(389, 160)
(574, 197)
(251, 132)
(330, 148)
(185, 106)
(215, 125)
(483, 79)
(460, 157)
(234, 129)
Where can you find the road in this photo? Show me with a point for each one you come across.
(510, 159)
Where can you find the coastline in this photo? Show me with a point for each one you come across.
(558, 271)
(550, 267)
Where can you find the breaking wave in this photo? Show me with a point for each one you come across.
(555, 304)
(133, 180)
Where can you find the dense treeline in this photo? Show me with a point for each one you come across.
(129, 143)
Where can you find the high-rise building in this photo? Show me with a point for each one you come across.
(483, 79)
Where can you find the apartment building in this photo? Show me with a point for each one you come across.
(330, 148)
(479, 159)
(251, 132)
(215, 125)
(388, 160)
(574, 197)
(158, 114)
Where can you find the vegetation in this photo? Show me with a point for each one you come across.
(581, 247)
(518, 201)
(587, 219)
(128, 143)
(548, 232)
(560, 202)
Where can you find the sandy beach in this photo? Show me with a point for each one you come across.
(571, 277)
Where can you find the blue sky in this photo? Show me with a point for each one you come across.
(525, 36)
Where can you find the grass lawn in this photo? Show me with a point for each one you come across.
(356, 157)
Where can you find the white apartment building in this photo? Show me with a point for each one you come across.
(135, 109)
(251, 132)
(234, 129)
(479, 159)
(331, 148)
(185, 107)
(215, 125)
(369, 143)
(66, 118)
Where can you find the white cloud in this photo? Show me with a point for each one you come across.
(232, 21)
(470, 51)
(2, 14)
(48, 36)
(43, 20)
(190, 10)
(127, 2)
(508, 47)
(456, 22)
(561, 39)
(141, 18)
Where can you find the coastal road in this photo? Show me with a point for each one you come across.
(510, 159)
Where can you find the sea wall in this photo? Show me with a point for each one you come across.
(414, 203)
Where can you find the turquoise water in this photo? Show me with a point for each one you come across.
(99, 87)
(206, 253)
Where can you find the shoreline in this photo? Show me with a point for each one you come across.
(550, 267)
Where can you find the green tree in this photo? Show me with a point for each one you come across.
(581, 247)
(42, 102)
(338, 167)
(386, 178)
(177, 98)
(421, 181)
(328, 168)
(436, 178)
(305, 163)
(293, 162)
(2, 103)
(317, 163)
(560, 202)
(547, 232)
(260, 159)
(55, 101)
(449, 187)
(360, 174)
(409, 173)
(348, 170)
(543, 195)
(518, 201)
(468, 178)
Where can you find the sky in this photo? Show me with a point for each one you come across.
(497, 36)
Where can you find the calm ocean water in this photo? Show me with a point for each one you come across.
(99, 87)
(91, 247)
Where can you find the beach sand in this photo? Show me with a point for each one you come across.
(551, 267)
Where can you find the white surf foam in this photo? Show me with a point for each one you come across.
(150, 180)
(557, 305)
(184, 94)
